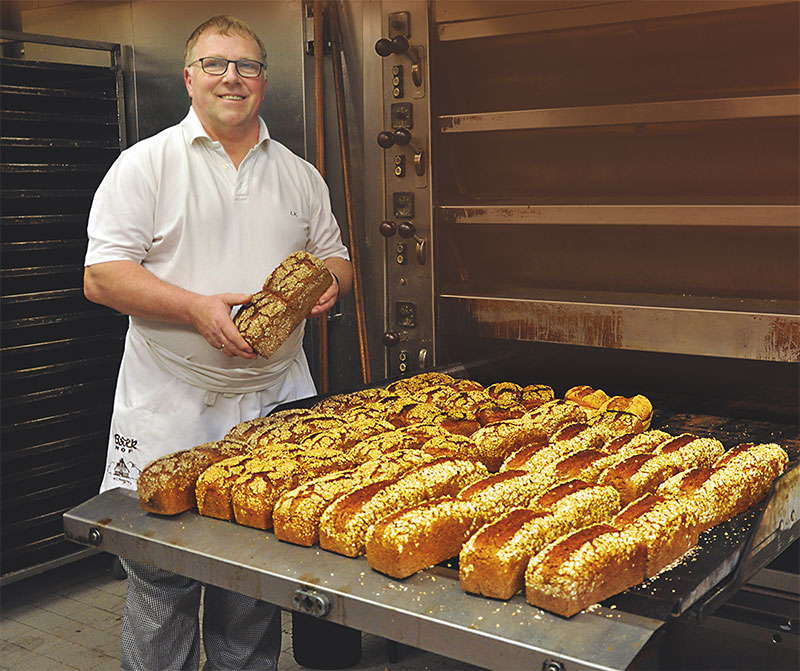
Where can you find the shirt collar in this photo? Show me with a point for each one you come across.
(193, 129)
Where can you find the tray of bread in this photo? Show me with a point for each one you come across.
(568, 501)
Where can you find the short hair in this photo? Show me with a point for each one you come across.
(224, 25)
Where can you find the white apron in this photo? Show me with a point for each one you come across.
(164, 404)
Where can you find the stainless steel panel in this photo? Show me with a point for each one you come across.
(609, 115)
(427, 610)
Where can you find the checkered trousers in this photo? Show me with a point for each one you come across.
(160, 628)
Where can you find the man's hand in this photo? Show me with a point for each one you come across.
(327, 300)
(131, 289)
(211, 316)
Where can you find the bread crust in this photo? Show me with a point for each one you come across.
(582, 568)
(664, 527)
(166, 485)
(288, 295)
(344, 524)
(417, 537)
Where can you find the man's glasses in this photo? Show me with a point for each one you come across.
(214, 65)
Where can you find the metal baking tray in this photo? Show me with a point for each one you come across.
(429, 610)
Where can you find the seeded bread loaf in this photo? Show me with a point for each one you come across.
(582, 568)
(493, 561)
(665, 527)
(288, 295)
(587, 397)
(495, 442)
(166, 485)
(419, 536)
(344, 524)
(297, 513)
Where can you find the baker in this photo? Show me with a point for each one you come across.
(184, 224)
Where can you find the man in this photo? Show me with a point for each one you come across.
(184, 224)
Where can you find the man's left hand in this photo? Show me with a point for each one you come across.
(327, 300)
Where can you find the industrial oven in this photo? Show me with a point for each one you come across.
(561, 192)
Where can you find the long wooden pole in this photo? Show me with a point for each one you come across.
(344, 142)
(319, 134)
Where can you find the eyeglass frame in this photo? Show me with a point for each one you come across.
(228, 64)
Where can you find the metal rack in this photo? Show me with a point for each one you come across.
(63, 126)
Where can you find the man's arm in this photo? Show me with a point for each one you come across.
(133, 290)
(342, 269)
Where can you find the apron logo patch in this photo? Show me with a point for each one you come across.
(124, 471)
(125, 444)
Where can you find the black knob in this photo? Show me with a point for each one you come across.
(384, 48)
(406, 229)
(387, 228)
(391, 338)
(386, 139)
(402, 136)
(399, 44)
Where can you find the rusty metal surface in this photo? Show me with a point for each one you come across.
(745, 335)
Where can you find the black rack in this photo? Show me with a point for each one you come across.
(63, 126)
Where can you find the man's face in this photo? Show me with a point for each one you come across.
(225, 103)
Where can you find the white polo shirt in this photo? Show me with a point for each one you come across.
(176, 204)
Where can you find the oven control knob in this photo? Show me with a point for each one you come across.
(383, 47)
(387, 228)
(402, 137)
(406, 229)
(386, 139)
(391, 338)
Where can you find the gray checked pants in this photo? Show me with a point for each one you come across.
(160, 628)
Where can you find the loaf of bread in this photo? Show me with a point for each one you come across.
(536, 457)
(629, 444)
(166, 485)
(638, 405)
(288, 295)
(611, 424)
(256, 491)
(495, 442)
(344, 524)
(740, 479)
(406, 438)
(689, 451)
(553, 415)
(689, 487)
(663, 526)
(643, 473)
(592, 400)
(418, 536)
(534, 395)
(297, 513)
(213, 488)
(341, 403)
(582, 568)
(409, 385)
(493, 561)
(492, 496)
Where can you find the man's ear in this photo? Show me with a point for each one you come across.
(187, 79)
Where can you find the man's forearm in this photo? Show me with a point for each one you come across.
(343, 270)
(133, 290)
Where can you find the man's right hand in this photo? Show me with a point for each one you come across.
(211, 316)
(133, 290)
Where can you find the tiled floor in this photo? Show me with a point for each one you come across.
(71, 618)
